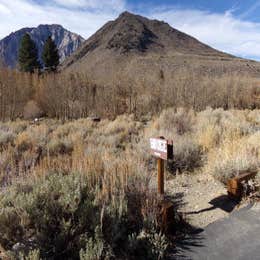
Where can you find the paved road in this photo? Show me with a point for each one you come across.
(234, 238)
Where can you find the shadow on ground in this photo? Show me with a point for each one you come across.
(193, 239)
(185, 235)
(190, 237)
(223, 202)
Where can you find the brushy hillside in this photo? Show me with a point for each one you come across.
(87, 190)
(134, 48)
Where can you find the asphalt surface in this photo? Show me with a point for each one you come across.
(234, 238)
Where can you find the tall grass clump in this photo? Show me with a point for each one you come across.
(235, 157)
(178, 125)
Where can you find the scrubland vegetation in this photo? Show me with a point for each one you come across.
(77, 180)
(72, 188)
(81, 189)
(71, 96)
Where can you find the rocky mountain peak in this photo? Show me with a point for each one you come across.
(131, 34)
(66, 41)
(134, 47)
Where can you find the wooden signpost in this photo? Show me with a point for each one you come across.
(162, 149)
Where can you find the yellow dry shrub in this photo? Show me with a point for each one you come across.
(122, 124)
(223, 142)
(234, 157)
(23, 142)
(33, 136)
(208, 137)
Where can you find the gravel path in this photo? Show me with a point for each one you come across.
(204, 200)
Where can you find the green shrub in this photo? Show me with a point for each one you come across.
(54, 215)
(148, 245)
(60, 217)
(32, 255)
(95, 248)
(6, 137)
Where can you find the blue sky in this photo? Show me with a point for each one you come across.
(228, 25)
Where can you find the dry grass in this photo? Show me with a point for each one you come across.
(220, 142)
(113, 156)
(101, 155)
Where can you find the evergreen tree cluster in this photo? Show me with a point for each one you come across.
(28, 55)
(50, 55)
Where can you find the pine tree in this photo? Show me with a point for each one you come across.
(50, 55)
(28, 55)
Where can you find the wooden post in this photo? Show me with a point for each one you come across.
(160, 164)
(162, 149)
(235, 186)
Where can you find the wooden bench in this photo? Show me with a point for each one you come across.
(235, 186)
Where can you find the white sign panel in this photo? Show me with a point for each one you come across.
(159, 145)
(159, 148)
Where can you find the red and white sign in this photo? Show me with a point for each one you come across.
(159, 147)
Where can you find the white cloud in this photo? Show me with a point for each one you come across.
(117, 5)
(16, 14)
(4, 10)
(222, 31)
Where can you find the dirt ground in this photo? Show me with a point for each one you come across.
(202, 199)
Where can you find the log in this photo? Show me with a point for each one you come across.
(235, 186)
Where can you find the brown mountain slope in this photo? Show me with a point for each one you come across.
(135, 48)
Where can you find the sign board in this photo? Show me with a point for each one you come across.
(161, 148)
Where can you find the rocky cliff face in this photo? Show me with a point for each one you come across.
(66, 41)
